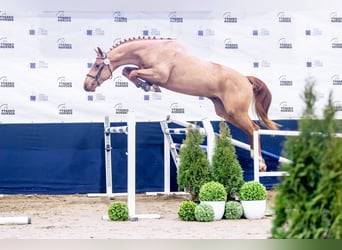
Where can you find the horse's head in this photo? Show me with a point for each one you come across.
(99, 72)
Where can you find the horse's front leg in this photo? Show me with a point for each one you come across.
(132, 73)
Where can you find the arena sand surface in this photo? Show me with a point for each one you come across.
(80, 217)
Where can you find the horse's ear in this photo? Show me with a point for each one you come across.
(99, 52)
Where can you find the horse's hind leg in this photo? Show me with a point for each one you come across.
(243, 122)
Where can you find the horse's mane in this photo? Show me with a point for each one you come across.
(124, 41)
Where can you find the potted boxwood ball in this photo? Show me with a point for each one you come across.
(118, 211)
(253, 199)
(214, 194)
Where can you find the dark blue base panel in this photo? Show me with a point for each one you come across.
(69, 158)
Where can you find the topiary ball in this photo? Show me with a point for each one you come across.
(204, 213)
(118, 211)
(186, 211)
(233, 210)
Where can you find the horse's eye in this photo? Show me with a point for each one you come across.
(96, 66)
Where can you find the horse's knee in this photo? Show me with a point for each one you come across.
(127, 71)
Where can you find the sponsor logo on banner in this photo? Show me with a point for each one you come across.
(176, 108)
(228, 18)
(173, 18)
(262, 64)
(283, 44)
(39, 97)
(284, 82)
(6, 110)
(206, 32)
(314, 63)
(39, 65)
(282, 18)
(334, 18)
(62, 44)
(228, 44)
(95, 32)
(336, 80)
(152, 97)
(4, 44)
(120, 109)
(335, 44)
(63, 109)
(38, 31)
(119, 83)
(338, 106)
(4, 83)
(151, 32)
(6, 18)
(118, 18)
(313, 32)
(62, 83)
(61, 17)
(98, 97)
(285, 108)
(261, 32)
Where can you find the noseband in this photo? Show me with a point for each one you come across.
(105, 62)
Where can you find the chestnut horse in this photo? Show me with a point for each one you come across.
(166, 63)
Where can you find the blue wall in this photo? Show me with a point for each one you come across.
(69, 158)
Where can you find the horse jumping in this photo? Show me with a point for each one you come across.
(166, 63)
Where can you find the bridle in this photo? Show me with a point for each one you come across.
(105, 62)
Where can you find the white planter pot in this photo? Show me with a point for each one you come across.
(218, 207)
(254, 209)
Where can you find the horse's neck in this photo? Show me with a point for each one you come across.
(126, 54)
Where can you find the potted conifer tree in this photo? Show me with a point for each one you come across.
(226, 168)
(194, 168)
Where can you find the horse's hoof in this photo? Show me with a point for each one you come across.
(155, 88)
(262, 166)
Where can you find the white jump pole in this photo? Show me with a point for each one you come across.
(211, 140)
(256, 155)
(130, 131)
(170, 146)
(256, 134)
(167, 172)
(131, 165)
(21, 220)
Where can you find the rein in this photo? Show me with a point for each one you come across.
(105, 62)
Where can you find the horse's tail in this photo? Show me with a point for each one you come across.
(262, 101)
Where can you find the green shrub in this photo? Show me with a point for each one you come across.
(226, 168)
(204, 213)
(212, 191)
(186, 211)
(233, 210)
(194, 168)
(252, 190)
(118, 211)
(308, 202)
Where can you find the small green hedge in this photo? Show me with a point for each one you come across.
(118, 211)
(186, 211)
(233, 210)
(204, 213)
